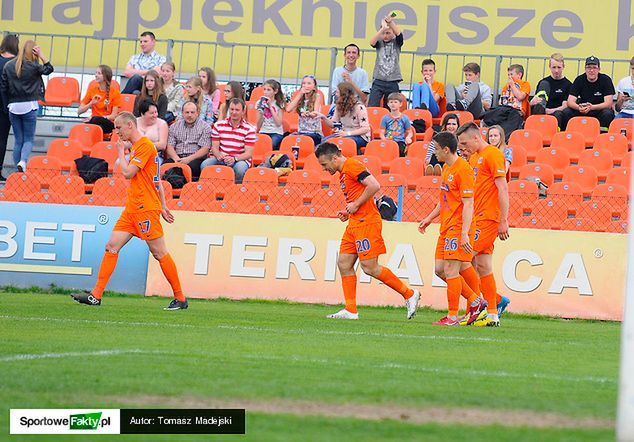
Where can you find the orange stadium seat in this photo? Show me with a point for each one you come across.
(570, 193)
(519, 160)
(284, 200)
(600, 211)
(410, 168)
(615, 143)
(61, 91)
(573, 142)
(347, 146)
(524, 188)
(105, 150)
(579, 224)
(68, 188)
(20, 187)
(187, 172)
(67, 150)
(484, 133)
(390, 183)
(600, 159)
(420, 114)
(44, 168)
(242, 197)
(615, 194)
(312, 163)
(618, 124)
(530, 140)
(262, 149)
(182, 204)
(328, 202)
(127, 102)
(262, 179)
(168, 191)
(463, 116)
(543, 171)
(558, 158)
(545, 124)
(256, 94)
(220, 175)
(375, 115)
(252, 114)
(86, 134)
(307, 181)
(589, 127)
(386, 150)
(619, 175)
(305, 143)
(371, 162)
(627, 159)
(290, 121)
(428, 183)
(110, 191)
(417, 205)
(418, 149)
(554, 211)
(586, 176)
(200, 195)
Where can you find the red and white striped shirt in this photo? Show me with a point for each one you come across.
(233, 140)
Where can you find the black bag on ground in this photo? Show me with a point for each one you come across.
(175, 177)
(387, 208)
(419, 126)
(91, 169)
(509, 118)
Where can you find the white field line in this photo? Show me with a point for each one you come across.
(78, 354)
(95, 321)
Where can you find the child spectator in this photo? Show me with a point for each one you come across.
(387, 70)
(516, 90)
(103, 98)
(429, 91)
(350, 118)
(210, 89)
(308, 103)
(270, 113)
(473, 95)
(194, 93)
(496, 137)
(152, 89)
(396, 126)
(433, 166)
(233, 89)
(174, 91)
(625, 99)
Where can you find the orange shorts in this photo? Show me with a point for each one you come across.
(485, 236)
(363, 240)
(448, 246)
(143, 225)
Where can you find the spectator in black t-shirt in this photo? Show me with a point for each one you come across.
(591, 95)
(551, 95)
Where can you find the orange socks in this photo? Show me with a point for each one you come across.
(454, 287)
(391, 280)
(108, 264)
(489, 290)
(168, 266)
(349, 284)
(472, 281)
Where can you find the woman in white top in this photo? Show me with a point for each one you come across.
(270, 112)
(307, 103)
(152, 127)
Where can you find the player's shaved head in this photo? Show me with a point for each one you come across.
(469, 128)
(327, 149)
(125, 117)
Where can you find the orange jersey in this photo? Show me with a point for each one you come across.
(438, 88)
(143, 191)
(487, 164)
(508, 99)
(353, 189)
(457, 182)
(101, 108)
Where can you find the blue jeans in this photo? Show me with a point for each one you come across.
(239, 167)
(624, 115)
(134, 85)
(276, 139)
(24, 133)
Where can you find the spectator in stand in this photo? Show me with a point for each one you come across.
(233, 140)
(189, 139)
(551, 95)
(103, 98)
(496, 137)
(307, 102)
(428, 92)
(174, 91)
(350, 119)
(9, 49)
(22, 87)
(233, 89)
(396, 126)
(270, 112)
(194, 93)
(152, 89)
(467, 96)
(210, 89)
(515, 93)
(153, 127)
(591, 95)
(351, 73)
(450, 123)
(388, 42)
(625, 100)
(141, 64)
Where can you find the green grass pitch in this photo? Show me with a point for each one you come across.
(303, 377)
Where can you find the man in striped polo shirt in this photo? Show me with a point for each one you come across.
(232, 140)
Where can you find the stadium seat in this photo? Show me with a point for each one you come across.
(127, 102)
(67, 150)
(20, 187)
(290, 121)
(86, 134)
(371, 162)
(262, 149)
(168, 191)
(386, 150)
(618, 124)
(530, 222)
(545, 124)
(182, 204)
(68, 188)
(44, 168)
(463, 116)
(105, 150)
(570, 193)
(307, 181)
(600, 211)
(328, 202)
(312, 163)
(262, 179)
(242, 197)
(305, 143)
(543, 171)
(627, 159)
(589, 127)
(523, 189)
(484, 133)
(550, 211)
(223, 175)
(110, 191)
(284, 200)
(417, 205)
(186, 170)
(586, 176)
(375, 115)
(252, 115)
(618, 226)
(410, 168)
(256, 94)
(558, 158)
(619, 175)
(347, 146)
(579, 224)
(600, 159)
(530, 140)
(573, 142)
(615, 143)
(390, 183)
(519, 160)
(614, 194)
(420, 114)
(200, 195)
(61, 91)
(428, 183)
(418, 149)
